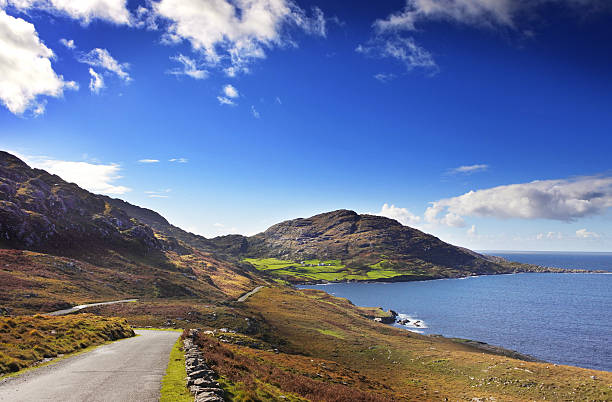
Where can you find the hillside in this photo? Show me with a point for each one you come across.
(343, 245)
(65, 245)
(61, 245)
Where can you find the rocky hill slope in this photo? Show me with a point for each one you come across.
(358, 247)
(61, 244)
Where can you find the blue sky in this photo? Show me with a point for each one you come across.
(486, 123)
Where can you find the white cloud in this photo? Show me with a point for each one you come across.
(452, 220)
(471, 232)
(230, 91)
(549, 236)
(96, 82)
(148, 161)
(190, 68)
(563, 200)
(228, 95)
(486, 13)
(384, 77)
(158, 194)
(114, 11)
(68, 43)
(234, 33)
(278, 100)
(469, 169)
(404, 50)
(95, 177)
(254, 112)
(102, 58)
(402, 215)
(502, 14)
(221, 229)
(225, 101)
(25, 67)
(585, 234)
(178, 160)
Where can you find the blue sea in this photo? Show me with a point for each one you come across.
(559, 318)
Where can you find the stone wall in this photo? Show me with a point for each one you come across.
(201, 380)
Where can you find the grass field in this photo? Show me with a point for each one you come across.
(28, 340)
(326, 270)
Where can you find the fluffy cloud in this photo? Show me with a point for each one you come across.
(25, 67)
(228, 94)
(68, 43)
(402, 215)
(469, 169)
(230, 91)
(103, 59)
(95, 177)
(96, 82)
(233, 33)
(563, 200)
(190, 68)
(504, 14)
(585, 234)
(114, 11)
(404, 50)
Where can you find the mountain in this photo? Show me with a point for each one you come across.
(41, 212)
(63, 244)
(359, 247)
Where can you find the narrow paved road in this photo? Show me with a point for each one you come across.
(124, 371)
(251, 293)
(82, 306)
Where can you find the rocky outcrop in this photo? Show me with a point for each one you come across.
(40, 211)
(201, 380)
(361, 241)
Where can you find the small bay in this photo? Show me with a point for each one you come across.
(559, 318)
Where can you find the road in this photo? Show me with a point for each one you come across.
(251, 293)
(123, 371)
(82, 306)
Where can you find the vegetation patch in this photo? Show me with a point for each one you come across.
(326, 270)
(174, 386)
(28, 340)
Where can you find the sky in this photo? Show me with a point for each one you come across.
(484, 122)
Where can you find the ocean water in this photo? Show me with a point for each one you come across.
(560, 318)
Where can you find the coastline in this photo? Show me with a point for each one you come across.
(412, 278)
(470, 338)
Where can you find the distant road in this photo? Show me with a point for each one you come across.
(123, 371)
(82, 306)
(251, 293)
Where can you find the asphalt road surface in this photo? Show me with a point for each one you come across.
(123, 371)
(82, 306)
(251, 293)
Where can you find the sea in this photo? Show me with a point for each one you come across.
(560, 318)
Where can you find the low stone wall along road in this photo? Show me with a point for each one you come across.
(127, 370)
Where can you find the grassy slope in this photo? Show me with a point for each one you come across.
(334, 351)
(33, 282)
(331, 270)
(26, 340)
